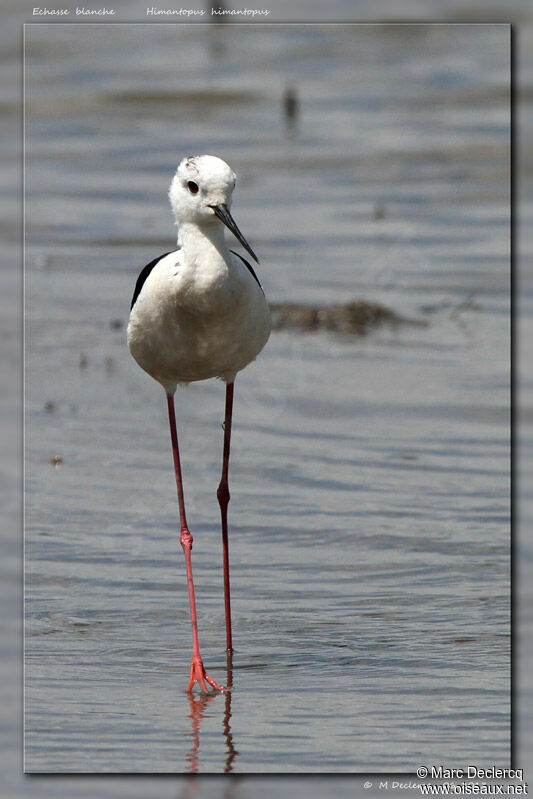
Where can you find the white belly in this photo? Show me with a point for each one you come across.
(189, 325)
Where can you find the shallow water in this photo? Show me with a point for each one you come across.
(369, 477)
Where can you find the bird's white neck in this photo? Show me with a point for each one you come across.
(201, 245)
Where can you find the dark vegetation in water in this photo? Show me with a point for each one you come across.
(355, 318)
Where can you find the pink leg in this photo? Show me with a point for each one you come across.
(223, 500)
(198, 672)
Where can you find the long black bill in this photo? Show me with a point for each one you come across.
(224, 215)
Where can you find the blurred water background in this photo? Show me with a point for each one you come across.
(370, 513)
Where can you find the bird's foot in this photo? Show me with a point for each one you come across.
(200, 676)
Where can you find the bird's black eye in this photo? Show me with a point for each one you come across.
(192, 186)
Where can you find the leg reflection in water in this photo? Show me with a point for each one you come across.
(231, 752)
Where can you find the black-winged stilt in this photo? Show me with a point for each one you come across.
(200, 312)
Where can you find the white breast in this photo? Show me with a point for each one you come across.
(192, 322)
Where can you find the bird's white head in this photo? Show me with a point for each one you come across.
(200, 194)
(200, 183)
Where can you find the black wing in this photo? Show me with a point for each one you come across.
(249, 268)
(143, 275)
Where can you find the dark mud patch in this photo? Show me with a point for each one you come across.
(356, 318)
